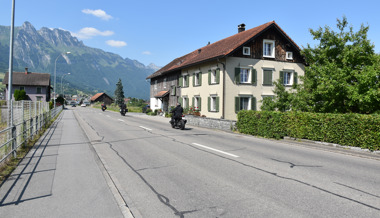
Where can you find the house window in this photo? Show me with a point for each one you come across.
(185, 102)
(287, 78)
(289, 55)
(184, 80)
(164, 83)
(246, 51)
(155, 84)
(197, 103)
(39, 90)
(213, 103)
(173, 90)
(245, 75)
(268, 48)
(213, 76)
(267, 75)
(245, 103)
(22, 88)
(197, 79)
(39, 98)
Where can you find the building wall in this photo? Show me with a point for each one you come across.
(259, 90)
(31, 91)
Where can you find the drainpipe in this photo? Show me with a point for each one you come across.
(224, 87)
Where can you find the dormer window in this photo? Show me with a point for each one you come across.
(268, 48)
(289, 55)
(246, 51)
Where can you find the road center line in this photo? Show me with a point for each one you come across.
(213, 149)
(145, 128)
(121, 120)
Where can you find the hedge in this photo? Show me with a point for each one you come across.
(356, 130)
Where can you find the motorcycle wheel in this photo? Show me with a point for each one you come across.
(181, 125)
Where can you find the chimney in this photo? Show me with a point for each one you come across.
(241, 27)
(26, 70)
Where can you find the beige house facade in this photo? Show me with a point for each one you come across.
(233, 74)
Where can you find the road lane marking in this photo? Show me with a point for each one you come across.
(145, 128)
(121, 120)
(108, 116)
(213, 149)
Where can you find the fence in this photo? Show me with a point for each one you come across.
(28, 119)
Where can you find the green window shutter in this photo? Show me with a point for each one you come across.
(282, 77)
(209, 104)
(217, 75)
(192, 105)
(194, 79)
(253, 103)
(187, 80)
(254, 76)
(187, 103)
(209, 77)
(237, 75)
(268, 77)
(180, 81)
(237, 104)
(200, 78)
(180, 100)
(217, 104)
(173, 90)
(295, 78)
(199, 103)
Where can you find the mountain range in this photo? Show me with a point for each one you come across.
(91, 70)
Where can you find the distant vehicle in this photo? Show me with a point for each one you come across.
(73, 105)
(83, 105)
(145, 108)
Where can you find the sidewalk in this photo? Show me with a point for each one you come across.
(61, 177)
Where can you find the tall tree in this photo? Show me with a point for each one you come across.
(343, 72)
(119, 93)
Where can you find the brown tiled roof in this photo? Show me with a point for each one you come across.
(93, 98)
(29, 79)
(215, 50)
(161, 94)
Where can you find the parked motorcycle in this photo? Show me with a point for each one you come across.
(178, 123)
(104, 107)
(123, 111)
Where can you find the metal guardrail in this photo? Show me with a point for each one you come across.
(28, 119)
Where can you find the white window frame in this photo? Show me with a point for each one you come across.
(213, 76)
(271, 50)
(196, 78)
(185, 101)
(155, 84)
(165, 83)
(246, 51)
(196, 101)
(249, 98)
(249, 76)
(213, 103)
(185, 77)
(287, 79)
(289, 55)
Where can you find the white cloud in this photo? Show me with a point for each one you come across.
(98, 13)
(115, 43)
(89, 32)
(146, 53)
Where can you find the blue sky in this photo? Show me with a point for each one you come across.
(152, 31)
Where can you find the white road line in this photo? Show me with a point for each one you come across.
(108, 116)
(121, 120)
(145, 128)
(213, 149)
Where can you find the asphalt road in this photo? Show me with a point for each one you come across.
(198, 172)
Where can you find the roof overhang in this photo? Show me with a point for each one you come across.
(162, 94)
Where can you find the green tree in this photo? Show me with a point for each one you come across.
(342, 73)
(19, 95)
(119, 93)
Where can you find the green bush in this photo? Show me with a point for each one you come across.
(345, 129)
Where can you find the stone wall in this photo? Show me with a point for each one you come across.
(212, 123)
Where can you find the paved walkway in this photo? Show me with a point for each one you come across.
(61, 177)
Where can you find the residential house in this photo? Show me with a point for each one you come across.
(101, 97)
(36, 85)
(230, 75)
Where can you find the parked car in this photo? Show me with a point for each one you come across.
(83, 105)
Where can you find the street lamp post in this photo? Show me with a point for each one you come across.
(61, 81)
(55, 73)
